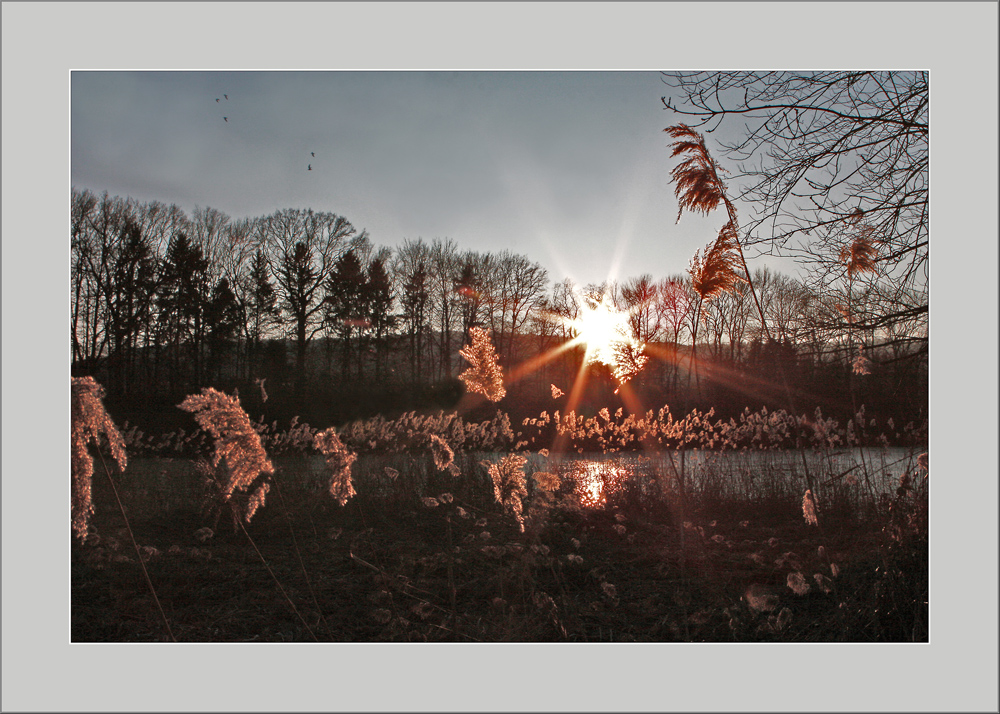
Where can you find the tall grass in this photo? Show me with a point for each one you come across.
(543, 539)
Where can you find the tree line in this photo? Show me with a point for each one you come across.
(163, 303)
(832, 167)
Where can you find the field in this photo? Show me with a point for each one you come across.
(651, 529)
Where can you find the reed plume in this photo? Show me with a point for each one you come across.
(716, 272)
(443, 455)
(860, 254)
(546, 481)
(713, 274)
(698, 187)
(509, 486)
(238, 457)
(339, 461)
(89, 422)
(809, 508)
(485, 375)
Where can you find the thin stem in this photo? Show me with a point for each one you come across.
(136, 546)
(732, 218)
(298, 553)
(276, 581)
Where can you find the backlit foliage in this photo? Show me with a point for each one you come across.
(339, 461)
(238, 458)
(716, 271)
(442, 453)
(698, 187)
(484, 376)
(629, 360)
(509, 485)
(89, 422)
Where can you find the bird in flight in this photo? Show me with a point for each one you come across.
(226, 96)
(216, 100)
(310, 167)
(312, 153)
(227, 119)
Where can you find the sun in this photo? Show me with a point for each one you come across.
(607, 335)
(600, 327)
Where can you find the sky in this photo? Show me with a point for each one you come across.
(570, 168)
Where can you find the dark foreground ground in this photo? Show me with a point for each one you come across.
(306, 569)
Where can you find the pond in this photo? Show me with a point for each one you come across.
(161, 483)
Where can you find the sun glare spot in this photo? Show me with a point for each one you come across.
(607, 335)
(600, 327)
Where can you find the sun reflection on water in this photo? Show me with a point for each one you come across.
(595, 481)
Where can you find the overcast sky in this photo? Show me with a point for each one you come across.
(568, 168)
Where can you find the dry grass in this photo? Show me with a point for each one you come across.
(339, 461)
(518, 548)
(590, 575)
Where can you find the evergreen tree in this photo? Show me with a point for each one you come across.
(222, 320)
(129, 294)
(346, 311)
(181, 301)
(261, 309)
(379, 305)
(468, 287)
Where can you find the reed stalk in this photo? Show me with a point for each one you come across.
(135, 546)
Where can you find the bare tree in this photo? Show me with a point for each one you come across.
(114, 274)
(638, 297)
(409, 270)
(785, 301)
(819, 152)
(674, 304)
(564, 307)
(302, 249)
(443, 271)
(513, 289)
